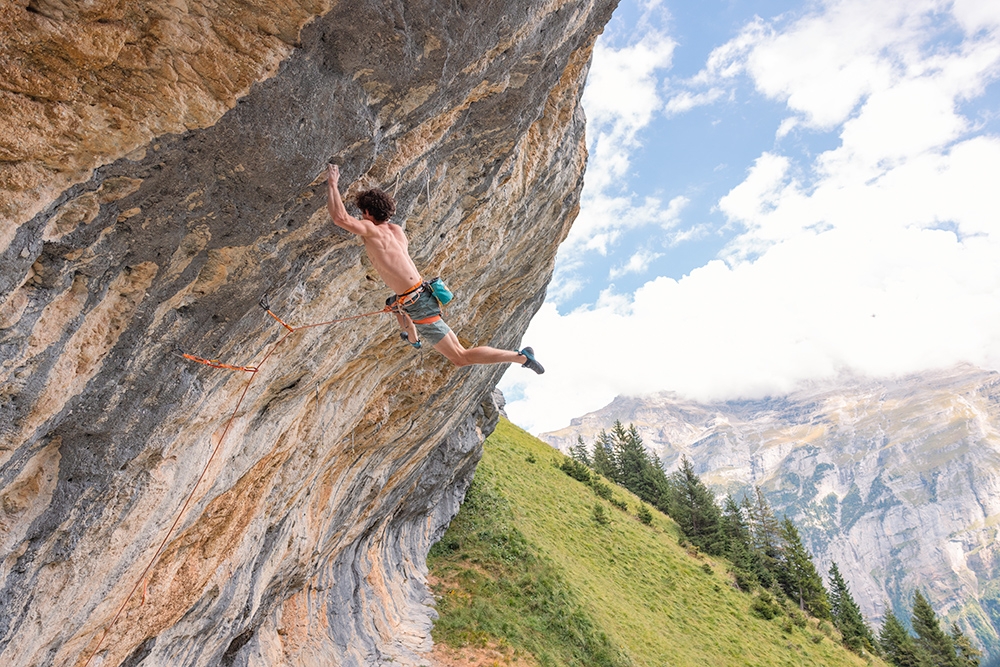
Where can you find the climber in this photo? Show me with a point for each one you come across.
(415, 305)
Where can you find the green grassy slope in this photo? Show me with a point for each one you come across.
(526, 567)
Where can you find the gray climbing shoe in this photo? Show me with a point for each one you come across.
(406, 339)
(531, 362)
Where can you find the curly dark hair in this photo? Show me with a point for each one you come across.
(377, 204)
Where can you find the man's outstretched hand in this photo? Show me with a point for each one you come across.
(332, 176)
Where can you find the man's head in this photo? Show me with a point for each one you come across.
(376, 203)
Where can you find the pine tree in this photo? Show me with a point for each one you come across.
(693, 507)
(847, 614)
(603, 461)
(579, 452)
(655, 480)
(638, 469)
(930, 637)
(630, 459)
(737, 545)
(798, 575)
(898, 646)
(968, 655)
(764, 536)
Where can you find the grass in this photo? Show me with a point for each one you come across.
(526, 567)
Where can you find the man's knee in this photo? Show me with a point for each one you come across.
(459, 359)
(453, 351)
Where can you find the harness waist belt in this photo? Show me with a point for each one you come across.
(428, 320)
(410, 291)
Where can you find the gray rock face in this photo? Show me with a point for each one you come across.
(896, 481)
(313, 504)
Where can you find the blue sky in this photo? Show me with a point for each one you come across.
(777, 192)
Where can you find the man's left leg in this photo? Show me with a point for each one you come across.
(457, 354)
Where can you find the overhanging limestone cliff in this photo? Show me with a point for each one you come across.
(305, 542)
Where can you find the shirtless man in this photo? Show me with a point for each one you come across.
(417, 310)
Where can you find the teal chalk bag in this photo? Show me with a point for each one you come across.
(441, 291)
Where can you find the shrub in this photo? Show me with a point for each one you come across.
(707, 569)
(744, 580)
(620, 504)
(576, 470)
(601, 489)
(599, 516)
(765, 607)
(644, 514)
(530, 458)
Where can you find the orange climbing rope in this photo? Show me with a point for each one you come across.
(215, 363)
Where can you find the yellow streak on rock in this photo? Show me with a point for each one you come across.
(57, 316)
(26, 497)
(86, 350)
(193, 242)
(72, 214)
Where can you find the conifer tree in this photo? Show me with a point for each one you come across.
(693, 507)
(579, 452)
(603, 461)
(738, 548)
(764, 536)
(898, 646)
(638, 469)
(930, 637)
(655, 480)
(798, 575)
(847, 614)
(630, 458)
(968, 655)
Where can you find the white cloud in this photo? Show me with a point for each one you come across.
(638, 263)
(976, 15)
(729, 60)
(880, 256)
(686, 100)
(620, 99)
(601, 222)
(809, 308)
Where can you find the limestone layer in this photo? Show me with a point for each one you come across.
(305, 539)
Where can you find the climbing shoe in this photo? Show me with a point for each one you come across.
(406, 339)
(530, 362)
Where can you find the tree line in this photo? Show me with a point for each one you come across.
(766, 554)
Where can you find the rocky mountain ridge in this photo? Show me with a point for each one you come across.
(896, 480)
(161, 167)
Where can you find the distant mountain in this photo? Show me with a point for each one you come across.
(898, 481)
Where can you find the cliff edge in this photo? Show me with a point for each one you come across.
(161, 167)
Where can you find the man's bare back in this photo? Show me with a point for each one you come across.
(385, 243)
(388, 250)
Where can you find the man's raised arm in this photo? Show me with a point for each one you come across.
(338, 212)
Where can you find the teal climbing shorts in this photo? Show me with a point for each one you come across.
(427, 306)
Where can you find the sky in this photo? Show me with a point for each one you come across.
(777, 192)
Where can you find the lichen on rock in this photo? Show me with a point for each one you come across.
(161, 167)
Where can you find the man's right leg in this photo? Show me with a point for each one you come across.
(407, 325)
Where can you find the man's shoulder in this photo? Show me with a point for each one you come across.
(394, 228)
